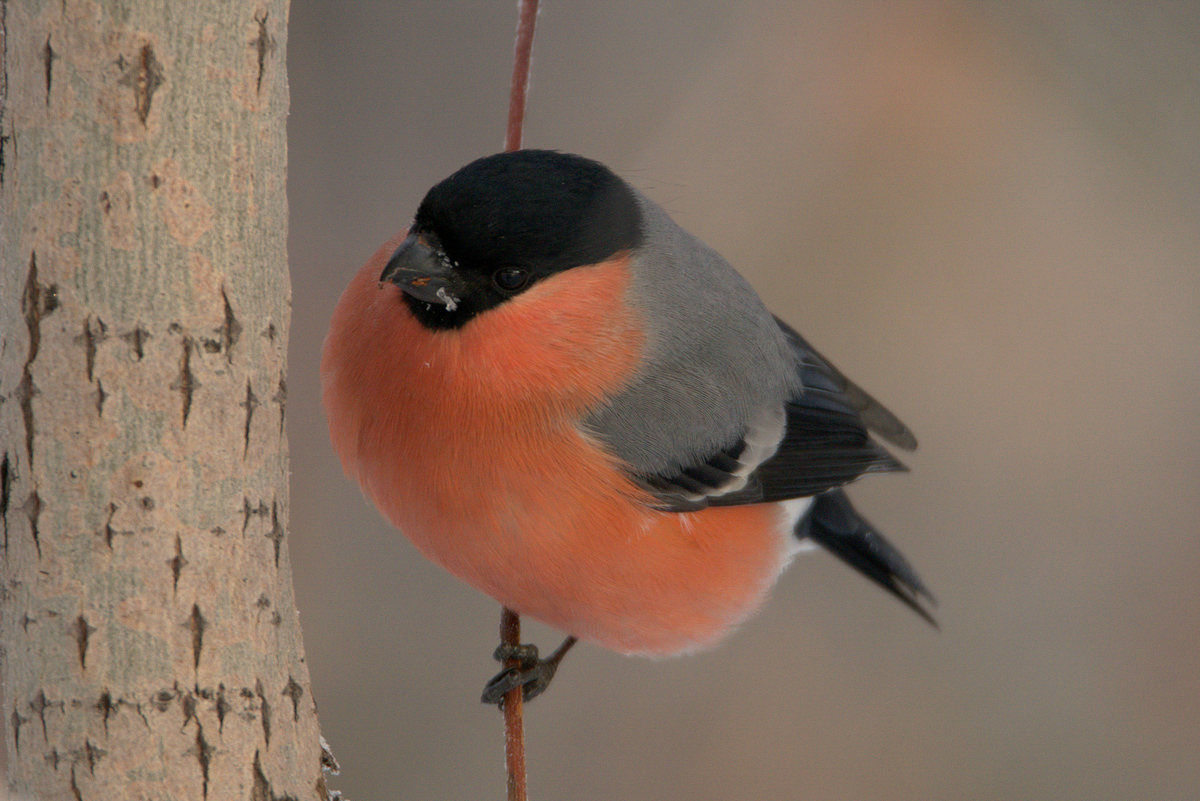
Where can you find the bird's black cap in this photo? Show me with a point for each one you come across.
(506, 221)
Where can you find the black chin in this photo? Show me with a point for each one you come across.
(436, 317)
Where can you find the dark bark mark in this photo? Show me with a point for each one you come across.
(162, 699)
(177, 563)
(280, 397)
(52, 758)
(189, 710)
(17, 721)
(26, 620)
(33, 510)
(92, 755)
(144, 75)
(187, 383)
(136, 708)
(75, 786)
(82, 631)
(276, 533)
(105, 707)
(137, 338)
(250, 404)
(37, 301)
(204, 753)
(5, 494)
(230, 330)
(101, 397)
(92, 337)
(294, 691)
(266, 711)
(223, 708)
(264, 603)
(26, 391)
(197, 624)
(248, 510)
(3, 80)
(108, 531)
(271, 332)
(38, 705)
(48, 58)
(261, 790)
(3, 83)
(263, 45)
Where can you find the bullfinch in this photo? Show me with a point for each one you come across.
(577, 407)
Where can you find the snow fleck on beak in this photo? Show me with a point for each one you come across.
(446, 298)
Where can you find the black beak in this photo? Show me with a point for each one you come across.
(424, 273)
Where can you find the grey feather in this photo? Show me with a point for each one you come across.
(716, 363)
(730, 405)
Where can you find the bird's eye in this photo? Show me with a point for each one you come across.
(510, 278)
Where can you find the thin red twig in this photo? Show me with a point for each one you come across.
(514, 721)
(526, 22)
(510, 621)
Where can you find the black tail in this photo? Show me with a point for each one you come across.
(832, 523)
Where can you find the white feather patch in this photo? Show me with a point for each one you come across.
(790, 513)
(762, 440)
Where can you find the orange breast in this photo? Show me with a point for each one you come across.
(469, 442)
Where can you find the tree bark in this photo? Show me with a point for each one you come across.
(151, 648)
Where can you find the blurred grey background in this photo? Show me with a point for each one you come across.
(987, 214)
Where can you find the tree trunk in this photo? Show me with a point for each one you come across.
(151, 644)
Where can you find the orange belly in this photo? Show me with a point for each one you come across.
(469, 442)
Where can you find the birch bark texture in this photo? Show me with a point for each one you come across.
(151, 647)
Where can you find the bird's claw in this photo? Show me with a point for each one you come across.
(526, 654)
(531, 673)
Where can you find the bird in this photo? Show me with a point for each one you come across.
(577, 407)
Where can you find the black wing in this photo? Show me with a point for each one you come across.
(823, 442)
(874, 416)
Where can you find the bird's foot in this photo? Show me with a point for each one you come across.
(531, 673)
